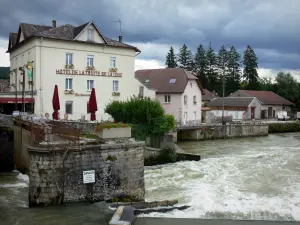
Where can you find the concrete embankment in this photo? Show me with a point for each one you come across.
(6, 148)
(210, 132)
(6, 143)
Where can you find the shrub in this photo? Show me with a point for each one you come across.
(284, 127)
(135, 110)
(146, 116)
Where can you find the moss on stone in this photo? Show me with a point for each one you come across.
(166, 155)
(111, 158)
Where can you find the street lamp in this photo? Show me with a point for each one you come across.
(30, 76)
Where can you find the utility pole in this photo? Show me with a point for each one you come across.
(223, 87)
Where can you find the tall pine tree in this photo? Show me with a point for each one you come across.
(234, 71)
(185, 58)
(212, 69)
(201, 66)
(171, 59)
(250, 69)
(222, 62)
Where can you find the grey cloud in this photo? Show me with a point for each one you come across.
(271, 25)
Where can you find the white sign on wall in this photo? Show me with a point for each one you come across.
(89, 176)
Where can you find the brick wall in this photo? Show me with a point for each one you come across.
(56, 175)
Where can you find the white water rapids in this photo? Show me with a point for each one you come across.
(249, 179)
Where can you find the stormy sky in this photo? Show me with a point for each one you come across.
(271, 27)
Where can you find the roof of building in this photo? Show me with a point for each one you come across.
(267, 97)
(167, 80)
(65, 32)
(207, 95)
(13, 38)
(231, 101)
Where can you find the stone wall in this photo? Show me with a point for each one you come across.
(88, 127)
(56, 175)
(219, 132)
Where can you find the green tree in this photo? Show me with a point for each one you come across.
(201, 66)
(212, 69)
(185, 58)
(287, 87)
(222, 63)
(4, 73)
(171, 59)
(266, 84)
(250, 68)
(234, 71)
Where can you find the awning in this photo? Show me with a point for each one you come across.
(13, 100)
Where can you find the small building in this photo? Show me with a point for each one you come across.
(207, 96)
(77, 58)
(240, 108)
(177, 90)
(270, 103)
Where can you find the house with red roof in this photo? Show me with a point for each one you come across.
(269, 103)
(178, 91)
(207, 96)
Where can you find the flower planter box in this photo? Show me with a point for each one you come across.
(113, 133)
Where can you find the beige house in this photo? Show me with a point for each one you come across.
(269, 103)
(177, 90)
(239, 108)
(76, 58)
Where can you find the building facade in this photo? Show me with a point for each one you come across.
(239, 108)
(77, 59)
(178, 91)
(270, 103)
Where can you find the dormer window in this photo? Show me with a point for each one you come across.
(90, 34)
(172, 81)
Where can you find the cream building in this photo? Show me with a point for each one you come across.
(178, 91)
(76, 59)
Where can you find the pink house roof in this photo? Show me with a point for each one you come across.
(167, 80)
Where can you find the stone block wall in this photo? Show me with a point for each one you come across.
(56, 175)
(219, 132)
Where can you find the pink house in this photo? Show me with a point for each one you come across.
(177, 90)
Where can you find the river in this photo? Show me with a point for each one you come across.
(249, 179)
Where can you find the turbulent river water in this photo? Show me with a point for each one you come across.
(249, 179)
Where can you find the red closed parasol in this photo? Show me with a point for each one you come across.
(93, 105)
(55, 103)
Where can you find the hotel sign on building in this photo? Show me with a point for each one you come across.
(77, 59)
(88, 73)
